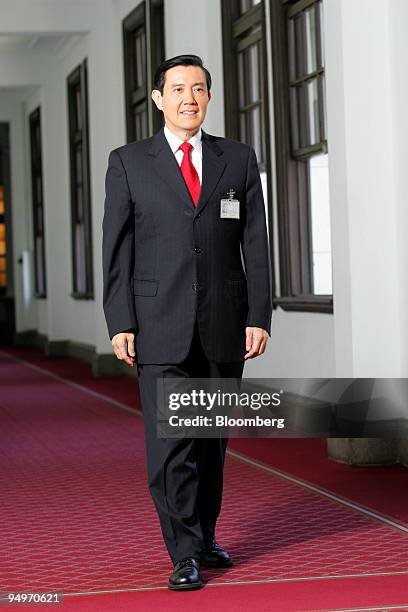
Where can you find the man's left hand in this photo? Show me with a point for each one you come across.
(256, 340)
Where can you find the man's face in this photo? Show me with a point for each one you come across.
(184, 100)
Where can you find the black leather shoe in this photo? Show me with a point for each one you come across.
(215, 556)
(186, 575)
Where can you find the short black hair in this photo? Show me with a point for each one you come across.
(179, 60)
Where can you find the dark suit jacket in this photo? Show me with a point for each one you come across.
(166, 262)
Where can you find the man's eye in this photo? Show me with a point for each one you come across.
(178, 89)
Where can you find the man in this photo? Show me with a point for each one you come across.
(180, 208)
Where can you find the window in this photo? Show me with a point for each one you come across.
(246, 5)
(244, 69)
(3, 245)
(80, 184)
(143, 45)
(37, 203)
(301, 155)
(6, 284)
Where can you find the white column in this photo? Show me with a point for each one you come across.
(364, 205)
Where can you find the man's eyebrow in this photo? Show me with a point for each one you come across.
(183, 84)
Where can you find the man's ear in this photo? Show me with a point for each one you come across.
(209, 95)
(157, 98)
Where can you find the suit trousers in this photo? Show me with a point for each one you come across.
(185, 475)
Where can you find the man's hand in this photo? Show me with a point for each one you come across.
(256, 339)
(124, 347)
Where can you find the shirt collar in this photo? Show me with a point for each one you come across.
(175, 141)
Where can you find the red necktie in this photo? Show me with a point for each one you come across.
(190, 173)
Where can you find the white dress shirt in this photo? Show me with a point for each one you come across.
(196, 152)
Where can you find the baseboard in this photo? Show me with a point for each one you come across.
(104, 365)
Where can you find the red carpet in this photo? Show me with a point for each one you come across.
(307, 459)
(77, 517)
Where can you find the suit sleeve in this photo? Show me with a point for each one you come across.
(118, 250)
(255, 250)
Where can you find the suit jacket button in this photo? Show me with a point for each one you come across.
(196, 286)
(197, 250)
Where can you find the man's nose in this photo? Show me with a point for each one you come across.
(189, 97)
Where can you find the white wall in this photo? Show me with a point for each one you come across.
(364, 203)
(198, 31)
(398, 19)
(367, 125)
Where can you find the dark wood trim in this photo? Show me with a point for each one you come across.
(36, 174)
(135, 20)
(78, 78)
(232, 25)
(247, 20)
(157, 54)
(306, 303)
(229, 15)
(293, 188)
(148, 15)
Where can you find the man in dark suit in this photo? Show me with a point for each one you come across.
(184, 215)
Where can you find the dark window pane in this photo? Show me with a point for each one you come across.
(39, 228)
(292, 49)
(294, 118)
(302, 106)
(40, 281)
(241, 80)
(38, 184)
(140, 58)
(78, 164)
(37, 140)
(80, 203)
(37, 202)
(141, 123)
(80, 269)
(242, 127)
(299, 50)
(78, 108)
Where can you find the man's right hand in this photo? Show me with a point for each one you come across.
(124, 347)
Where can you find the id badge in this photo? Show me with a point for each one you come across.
(229, 209)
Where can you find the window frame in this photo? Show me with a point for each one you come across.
(37, 175)
(234, 28)
(232, 24)
(293, 184)
(78, 78)
(148, 16)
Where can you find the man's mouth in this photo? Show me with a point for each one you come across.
(189, 113)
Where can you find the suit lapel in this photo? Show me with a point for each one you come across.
(213, 168)
(166, 166)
